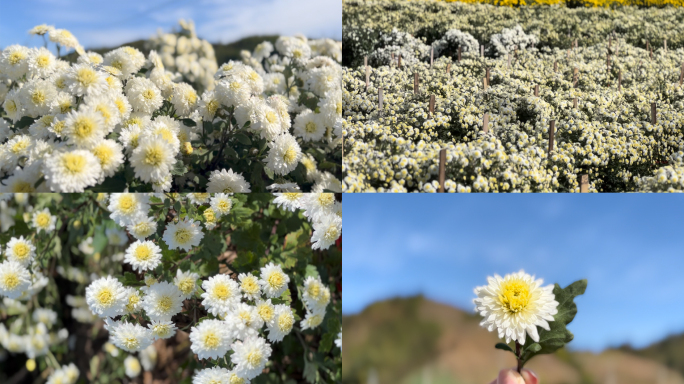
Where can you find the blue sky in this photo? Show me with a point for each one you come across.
(629, 247)
(110, 23)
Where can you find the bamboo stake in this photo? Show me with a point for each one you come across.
(393, 59)
(432, 106)
(574, 78)
(448, 69)
(654, 116)
(552, 134)
(555, 66)
(367, 78)
(487, 75)
(432, 55)
(536, 90)
(481, 50)
(416, 83)
(459, 53)
(665, 45)
(400, 61)
(380, 101)
(584, 183)
(574, 103)
(485, 123)
(442, 169)
(484, 84)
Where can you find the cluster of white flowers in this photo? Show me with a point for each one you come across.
(322, 210)
(511, 39)
(316, 297)
(91, 117)
(454, 39)
(33, 339)
(186, 55)
(396, 43)
(68, 374)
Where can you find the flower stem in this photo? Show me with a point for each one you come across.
(519, 354)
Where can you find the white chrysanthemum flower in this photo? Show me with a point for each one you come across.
(210, 339)
(284, 154)
(227, 182)
(326, 232)
(45, 315)
(184, 98)
(132, 366)
(198, 198)
(133, 300)
(267, 122)
(142, 227)
(215, 375)
(186, 282)
(338, 341)
(316, 294)
(148, 358)
(282, 323)
(20, 250)
(116, 236)
(318, 205)
(313, 318)
(104, 105)
(162, 329)
(309, 126)
(14, 61)
(162, 301)
(183, 235)
(128, 60)
(12, 105)
(143, 95)
(153, 158)
(515, 305)
(68, 374)
(273, 280)
(244, 321)
(14, 279)
(63, 37)
(128, 208)
(221, 293)
(290, 201)
(83, 79)
(143, 255)
(41, 29)
(106, 297)
(110, 154)
(250, 356)
(129, 137)
(208, 106)
(249, 285)
(221, 204)
(232, 91)
(38, 97)
(128, 336)
(72, 171)
(266, 310)
(84, 128)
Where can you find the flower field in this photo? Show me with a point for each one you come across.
(610, 82)
(171, 118)
(170, 288)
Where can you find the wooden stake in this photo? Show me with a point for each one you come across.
(574, 78)
(432, 106)
(654, 117)
(484, 84)
(648, 46)
(400, 61)
(448, 69)
(575, 43)
(380, 101)
(608, 62)
(367, 78)
(650, 54)
(416, 83)
(393, 59)
(584, 183)
(485, 123)
(536, 90)
(574, 103)
(459, 53)
(567, 55)
(508, 56)
(442, 169)
(552, 134)
(555, 66)
(432, 55)
(365, 61)
(481, 50)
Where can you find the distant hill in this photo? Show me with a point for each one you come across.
(669, 351)
(418, 341)
(224, 52)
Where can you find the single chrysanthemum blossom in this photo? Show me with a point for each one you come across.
(186, 282)
(104, 105)
(210, 339)
(128, 336)
(14, 61)
(244, 321)
(221, 293)
(215, 375)
(128, 208)
(183, 235)
(106, 297)
(266, 310)
(316, 294)
(14, 279)
(116, 236)
(84, 128)
(20, 250)
(249, 285)
(184, 98)
(313, 318)
(284, 154)
(38, 97)
(250, 356)
(199, 198)
(143, 95)
(273, 280)
(168, 128)
(289, 200)
(83, 79)
(132, 366)
(227, 182)
(153, 158)
(133, 300)
(127, 60)
(143, 227)
(515, 305)
(110, 154)
(143, 255)
(317, 205)
(281, 324)
(221, 204)
(63, 37)
(72, 171)
(309, 126)
(326, 232)
(162, 329)
(162, 301)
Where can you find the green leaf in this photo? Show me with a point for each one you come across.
(209, 267)
(311, 371)
(557, 335)
(326, 342)
(311, 271)
(24, 122)
(179, 169)
(504, 346)
(189, 122)
(243, 139)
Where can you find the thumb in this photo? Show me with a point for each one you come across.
(511, 376)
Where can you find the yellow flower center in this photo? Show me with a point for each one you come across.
(224, 205)
(43, 219)
(310, 127)
(285, 322)
(11, 106)
(105, 297)
(16, 57)
(38, 97)
(131, 342)
(182, 235)
(84, 127)
(129, 50)
(235, 86)
(315, 321)
(74, 163)
(60, 83)
(245, 317)
(106, 113)
(290, 155)
(265, 311)
(59, 126)
(191, 96)
(117, 64)
(143, 253)
(314, 290)
(86, 77)
(276, 280)
(164, 304)
(43, 61)
(127, 204)
(212, 107)
(276, 80)
(148, 94)
(331, 234)
(254, 357)
(234, 379)
(515, 295)
(10, 280)
(104, 154)
(297, 53)
(253, 76)
(133, 300)
(22, 186)
(154, 156)
(120, 105)
(110, 81)
(211, 340)
(222, 291)
(250, 285)
(20, 146)
(271, 117)
(209, 215)
(186, 285)
(292, 196)
(21, 251)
